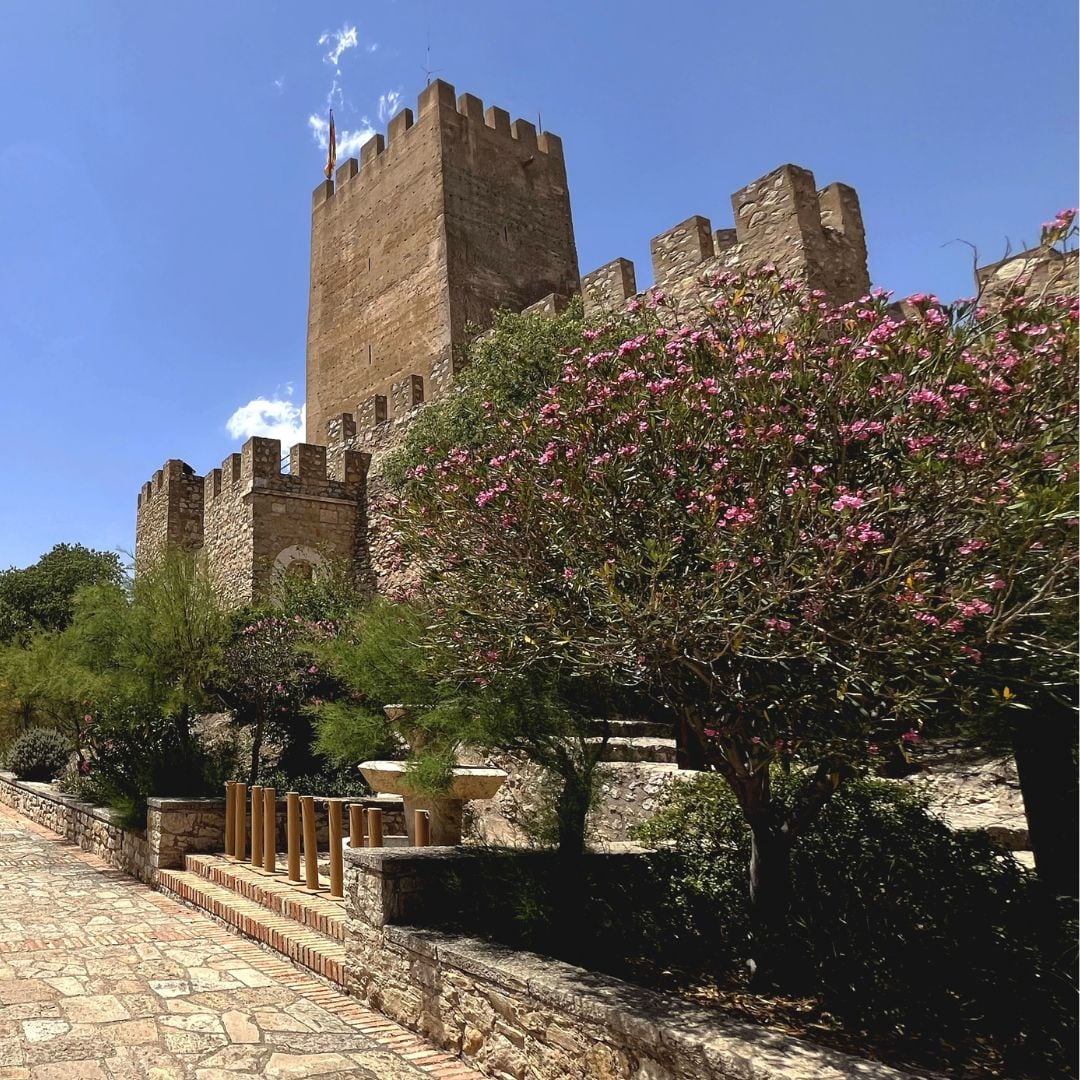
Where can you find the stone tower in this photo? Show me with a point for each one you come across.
(456, 213)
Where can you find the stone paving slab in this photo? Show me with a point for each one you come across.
(101, 978)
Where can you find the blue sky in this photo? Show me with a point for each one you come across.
(156, 164)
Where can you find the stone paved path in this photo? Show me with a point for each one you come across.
(101, 978)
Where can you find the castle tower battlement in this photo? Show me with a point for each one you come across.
(780, 219)
(169, 511)
(458, 211)
(261, 522)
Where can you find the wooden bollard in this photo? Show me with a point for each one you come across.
(311, 853)
(337, 857)
(374, 828)
(292, 835)
(356, 825)
(240, 821)
(230, 826)
(422, 828)
(256, 825)
(269, 829)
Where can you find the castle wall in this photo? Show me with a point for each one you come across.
(169, 511)
(780, 219)
(457, 212)
(509, 230)
(1039, 271)
(260, 521)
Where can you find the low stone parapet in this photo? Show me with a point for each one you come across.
(174, 826)
(513, 1013)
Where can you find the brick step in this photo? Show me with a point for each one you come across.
(623, 749)
(273, 891)
(318, 953)
(635, 729)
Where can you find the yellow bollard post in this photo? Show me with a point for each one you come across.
(374, 827)
(422, 828)
(230, 826)
(292, 808)
(356, 825)
(311, 852)
(240, 816)
(256, 825)
(269, 829)
(337, 857)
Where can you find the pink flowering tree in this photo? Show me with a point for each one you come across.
(269, 679)
(801, 528)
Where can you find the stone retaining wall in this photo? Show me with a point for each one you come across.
(174, 826)
(515, 1014)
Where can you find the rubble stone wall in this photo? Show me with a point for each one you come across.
(174, 827)
(513, 1013)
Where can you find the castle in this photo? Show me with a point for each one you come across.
(456, 213)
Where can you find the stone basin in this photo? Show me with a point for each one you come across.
(470, 782)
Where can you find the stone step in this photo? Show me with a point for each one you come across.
(315, 951)
(634, 749)
(635, 729)
(318, 911)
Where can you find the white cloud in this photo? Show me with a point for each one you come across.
(271, 418)
(279, 84)
(348, 142)
(389, 103)
(340, 41)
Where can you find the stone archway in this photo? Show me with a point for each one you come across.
(300, 561)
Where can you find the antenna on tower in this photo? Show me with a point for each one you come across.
(426, 67)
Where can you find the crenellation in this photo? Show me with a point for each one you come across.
(724, 239)
(371, 149)
(780, 220)
(608, 287)
(498, 120)
(524, 133)
(399, 123)
(438, 94)
(345, 173)
(407, 394)
(549, 306)
(169, 511)
(307, 461)
(371, 411)
(676, 252)
(260, 460)
(340, 428)
(471, 106)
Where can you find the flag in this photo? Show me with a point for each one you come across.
(331, 150)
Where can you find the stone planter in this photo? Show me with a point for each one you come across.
(388, 777)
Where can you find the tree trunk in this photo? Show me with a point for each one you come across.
(772, 962)
(1044, 747)
(573, 810)
(689, 753)
(256, 751)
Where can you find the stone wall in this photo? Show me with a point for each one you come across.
(781, 219)
(1039, 271)
(174, 826)
(259, 521)
(516, 1014)
(169, 511)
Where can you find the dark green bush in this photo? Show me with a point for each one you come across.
(138, 754)
(905, 927)
(39, 754)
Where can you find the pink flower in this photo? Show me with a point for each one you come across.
(845, 502)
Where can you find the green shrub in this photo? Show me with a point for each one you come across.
(39, 754)
(904, 926)
(139, 753)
